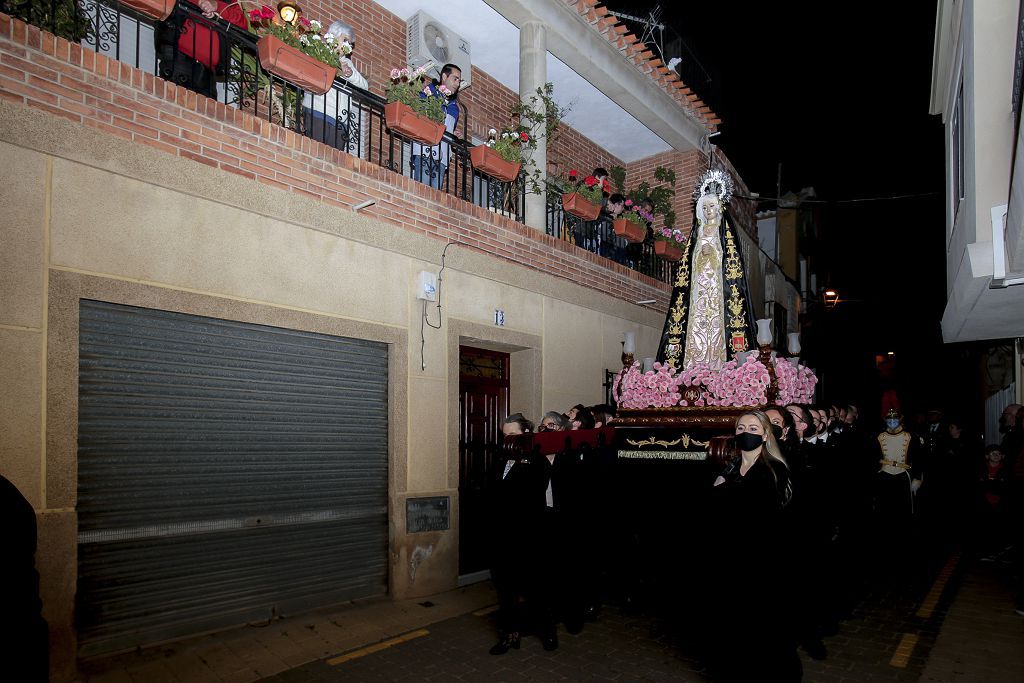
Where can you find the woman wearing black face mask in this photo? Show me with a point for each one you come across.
(750, 551)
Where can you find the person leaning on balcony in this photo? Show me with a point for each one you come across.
(192, 54)
(330, 118)
(432, 169)
(605, 243)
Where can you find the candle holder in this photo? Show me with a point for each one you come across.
(627, 363)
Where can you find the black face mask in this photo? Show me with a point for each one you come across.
(749, 442)
(777, 431)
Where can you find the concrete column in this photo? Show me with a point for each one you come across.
(533, 74)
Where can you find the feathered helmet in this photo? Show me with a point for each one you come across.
(893, 414)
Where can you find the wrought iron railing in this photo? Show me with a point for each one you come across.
(599, 237)
(347, 118)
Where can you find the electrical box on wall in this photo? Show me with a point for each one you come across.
(426, 288)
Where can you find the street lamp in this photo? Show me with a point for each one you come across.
(289, 11)
(831, 297)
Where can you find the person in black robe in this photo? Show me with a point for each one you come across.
(749, 604)
(24, 634)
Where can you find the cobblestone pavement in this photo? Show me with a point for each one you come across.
(891, 635)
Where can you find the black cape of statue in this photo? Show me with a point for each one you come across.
(740, 333)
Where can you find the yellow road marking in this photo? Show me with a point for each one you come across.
(484, 611)
(904, 650)
(931, 600)
(383, 645)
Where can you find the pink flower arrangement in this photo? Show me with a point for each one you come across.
(658, 388)
(740, 385)
(796, 384)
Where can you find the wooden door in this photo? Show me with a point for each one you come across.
(483, 405)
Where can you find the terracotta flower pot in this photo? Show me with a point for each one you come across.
(578, 206)
(154, 9)
(667, 250)
(486, 160)
(293, 66)
(400, 118)
(630, 230)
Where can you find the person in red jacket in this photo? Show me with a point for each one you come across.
(192, 53)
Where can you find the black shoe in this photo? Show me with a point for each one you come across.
(503, 645)
(550, 643)
(815, 649)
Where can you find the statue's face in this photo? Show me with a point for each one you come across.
(712, 210)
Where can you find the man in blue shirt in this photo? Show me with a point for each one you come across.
(430, 163)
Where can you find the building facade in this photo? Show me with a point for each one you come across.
(224, 394)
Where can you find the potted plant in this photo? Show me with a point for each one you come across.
(418, 118)
(63, 18)
(668, 243)
(297, 52)
(157, 10)
(502, 156)
(659, 196)
(632, 223)
(583, 199)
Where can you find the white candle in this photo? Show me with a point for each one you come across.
(630, 344)
(764, 331)
(648, 364)
(794, 343)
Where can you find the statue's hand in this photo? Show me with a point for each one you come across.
(705, 249)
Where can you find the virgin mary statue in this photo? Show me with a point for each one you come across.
(709, 317)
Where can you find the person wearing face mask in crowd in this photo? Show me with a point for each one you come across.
(749, 561)
(810, 518)
(516, 512)
(898, 479)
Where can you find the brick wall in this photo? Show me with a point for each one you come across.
(688, 167)
(742, 210)
(380, 47)
(66, 80)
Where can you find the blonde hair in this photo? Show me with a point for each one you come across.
(770, 451)
(770, 448)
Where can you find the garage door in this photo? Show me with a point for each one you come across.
(227, 473)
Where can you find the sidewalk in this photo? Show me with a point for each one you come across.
(250, 653)
(961, 627)
(981, 639)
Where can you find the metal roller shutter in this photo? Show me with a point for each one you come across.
(227, 472)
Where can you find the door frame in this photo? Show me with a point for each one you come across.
(525, 387)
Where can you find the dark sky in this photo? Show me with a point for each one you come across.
(839, 95)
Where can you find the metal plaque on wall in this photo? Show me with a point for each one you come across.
(426, 514)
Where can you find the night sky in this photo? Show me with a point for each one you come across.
(842, 103)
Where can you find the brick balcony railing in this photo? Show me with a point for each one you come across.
(108, 41)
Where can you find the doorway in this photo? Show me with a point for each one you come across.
(483, 405)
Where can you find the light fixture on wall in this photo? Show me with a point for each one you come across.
(644, 302)
(288, 11)
(830, 297)
(362, 205)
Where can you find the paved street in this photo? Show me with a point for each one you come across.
(892, 635)
(944, 621)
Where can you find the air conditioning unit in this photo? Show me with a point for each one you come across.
(428, 41)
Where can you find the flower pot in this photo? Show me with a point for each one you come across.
(578, 206)
(630, 230)
(667, 250)
(400, 118)
(487, 161)
(154, 9)
(293, 66)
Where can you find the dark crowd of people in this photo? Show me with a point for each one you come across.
(810, 504)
